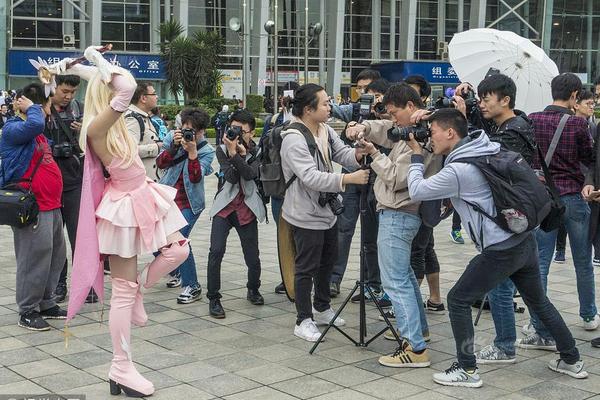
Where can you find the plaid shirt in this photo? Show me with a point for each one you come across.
(575, 147)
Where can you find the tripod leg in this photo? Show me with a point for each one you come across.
(480, 310)
(389, 324)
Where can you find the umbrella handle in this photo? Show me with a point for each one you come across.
(79, 60)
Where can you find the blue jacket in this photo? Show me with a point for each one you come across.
(194, 191)
(18, 142)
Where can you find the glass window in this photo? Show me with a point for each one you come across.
(126, 23)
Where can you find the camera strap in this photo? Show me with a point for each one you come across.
(184, 156)
(66, 130)
(313, 148)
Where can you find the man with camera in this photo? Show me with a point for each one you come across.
(399, 220)
(62, 131)
(186, 159)
(141, 127)
(352, 111)
(238, 204)
(40, 246)
(503, 254)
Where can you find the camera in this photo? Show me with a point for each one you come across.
(332, 200)
(233, 133)
(447, 101)
(365, 102)
(379, 108)
(420, 131)
(188, 134)
(62, 150)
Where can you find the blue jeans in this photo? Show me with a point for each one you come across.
(577, 216)
(276, 203)
(396, 232)
(503, 314)
(187, 269)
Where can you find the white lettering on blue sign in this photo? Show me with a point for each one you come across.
(153, 65)
(133, 63)
(436, 71)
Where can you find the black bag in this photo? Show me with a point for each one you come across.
(18, 206)
(522, 201)
(140, 120)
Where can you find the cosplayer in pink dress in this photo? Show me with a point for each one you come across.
(123, 216)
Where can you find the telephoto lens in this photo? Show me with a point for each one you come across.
(233, 132)
(188, 134)
(421, 133)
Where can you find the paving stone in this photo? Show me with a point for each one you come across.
(346, 394)
(306, 387)
(388, 389)
(192, 371)
(8, 376)
(554, 391)
(269, 373)
(262, 393)
(88, 359)
(183, 391)
(311, 364)
(236, 362)
(347, 376)
(20, 356)
(57, 383)
(41, 368)
(165, 359)
(226, 384)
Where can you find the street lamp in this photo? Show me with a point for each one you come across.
(239, 27)
(271, 29)
(312, 32)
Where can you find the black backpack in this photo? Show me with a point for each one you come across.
(270, 171)
(140, 120)
(521, 199)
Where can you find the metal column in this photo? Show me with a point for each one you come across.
(408, 24)
(393, 4)
(477, 17)
(336, 45)
(260, 45)
(322, 44)
(376, 31)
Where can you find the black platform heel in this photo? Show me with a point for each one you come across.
(115, 389)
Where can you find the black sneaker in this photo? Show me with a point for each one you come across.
(596, 342)
(389, 314)
(92, 297)
(32, 320)
(60, 292)
(189, 295)
(174, 281)
(434, 308)
(106, 267)
(280, 289)
(216, 309)
(255, 297)
(54, 313)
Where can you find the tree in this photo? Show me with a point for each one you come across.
(191, 64)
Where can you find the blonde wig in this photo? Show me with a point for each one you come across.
(119, 142)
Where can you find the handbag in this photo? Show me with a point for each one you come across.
(18, 206)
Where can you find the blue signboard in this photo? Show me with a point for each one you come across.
(142, 66)
(435, 72)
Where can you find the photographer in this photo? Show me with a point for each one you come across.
(421, 85)
(347, 220)
(399, 221)
(311, 202)
(351, 112)
(187, 159)
(62, 131)
(502, 255)
(238, 205)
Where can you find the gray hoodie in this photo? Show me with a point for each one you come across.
(301, 203)
(459, 182)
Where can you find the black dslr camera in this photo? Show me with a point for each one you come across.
(365, 102)
(447, 101)
(332, 200)
(233, 133)
(188, 134)
(420, 131)
(62, 150)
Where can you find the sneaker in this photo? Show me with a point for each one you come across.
(559, 257)
(405, 357)
(254, 297)
(596, 261)
(458, 376)
(528, 329)
(456, 237)
(334, 289)
(60, 292)
(536, 342)
(54, 313)
(174, 281)
(591, 324)
(384, 300)
(389, 314)
(357, 297)
(595, 342)
(388, 335)
(324, 317)
(434, 308)
(307, 330)
(189, 294)
(280, 289)
(491, 354)
(32, 320)
(574, 370)
(216, 309)
(92, 297)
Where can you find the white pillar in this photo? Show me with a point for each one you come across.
(376, 31)
(181, 12)
(154, 24)
(393, 29)
(260, 45)
(408, 24)
(96, 22)
(477, 18)
(336, 46)
(322, 45)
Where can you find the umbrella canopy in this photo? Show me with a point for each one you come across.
(472, 53)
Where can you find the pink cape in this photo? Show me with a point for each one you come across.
(88, 270)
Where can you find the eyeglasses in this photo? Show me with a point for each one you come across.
(150, 94)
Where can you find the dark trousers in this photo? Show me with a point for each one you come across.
(423, 259)
(218, 241)
(316, 251)
(346, 227)
(456, 221)
(70, 216)
(484, 273)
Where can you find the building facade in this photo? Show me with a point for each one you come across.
(355, 33)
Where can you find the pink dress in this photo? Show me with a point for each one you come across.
(135, 214)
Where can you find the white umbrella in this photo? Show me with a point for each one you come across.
(472, 53)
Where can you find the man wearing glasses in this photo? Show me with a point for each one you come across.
(139, 125)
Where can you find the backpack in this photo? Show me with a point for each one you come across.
(522, 201)
(270, 170)
(140, 121)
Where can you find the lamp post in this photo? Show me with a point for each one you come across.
(238, 26)
(271, 29)
(310, 33)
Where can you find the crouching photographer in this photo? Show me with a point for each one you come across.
(399, 219)
(311, 202)
(238, 205)
(187, 159)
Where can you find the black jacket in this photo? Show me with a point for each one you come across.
(593, 178)
(516, 134)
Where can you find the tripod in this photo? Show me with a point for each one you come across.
(362, 284)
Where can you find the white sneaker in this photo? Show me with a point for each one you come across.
(575, 370)
(307, 330)
(592, 324)
(323, 318)
(528, 329)
(457, 376)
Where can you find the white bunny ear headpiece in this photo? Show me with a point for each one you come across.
(45, 75)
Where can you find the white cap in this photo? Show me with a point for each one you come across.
(225, 108)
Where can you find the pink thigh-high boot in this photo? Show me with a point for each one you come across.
(122, 374)
(168, 259)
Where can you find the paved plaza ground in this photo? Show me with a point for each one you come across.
(252, 354)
